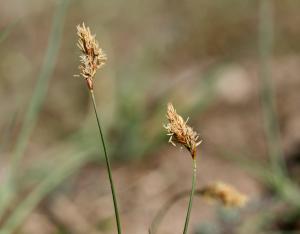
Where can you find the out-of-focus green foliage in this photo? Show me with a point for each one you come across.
(158, 51)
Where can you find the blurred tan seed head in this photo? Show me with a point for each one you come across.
(224, 193)
(92, 57)
(180, 132)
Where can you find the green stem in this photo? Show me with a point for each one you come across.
(186, 225)
(108, 166)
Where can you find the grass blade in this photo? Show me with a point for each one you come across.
(35, 104)
(51, 182)
(5, 32)
(266, 92)
(40, 90)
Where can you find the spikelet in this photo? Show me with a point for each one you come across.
(92, 57)
(180, 132)
(224, 193)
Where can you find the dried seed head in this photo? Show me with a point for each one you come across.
(92, 57)
(180, 132)
(224, 193)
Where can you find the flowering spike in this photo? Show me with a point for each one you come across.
(224, 193)
(180, 132)
(92, 57)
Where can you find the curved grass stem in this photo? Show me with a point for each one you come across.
(187, 219)
(163, 211)
(107, 165)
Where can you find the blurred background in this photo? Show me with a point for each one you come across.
(231, 66)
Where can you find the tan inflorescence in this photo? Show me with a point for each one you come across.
(180, 132)
(224, 193)
(92, 57)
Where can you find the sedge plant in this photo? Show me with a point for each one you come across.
(181, 133)
(91, 59)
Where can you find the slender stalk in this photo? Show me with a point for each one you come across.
(187, 219)
(272, 131)
(107, 165)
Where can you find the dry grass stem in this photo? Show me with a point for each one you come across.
(224, 193)
(180, 132)
(92, 57)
